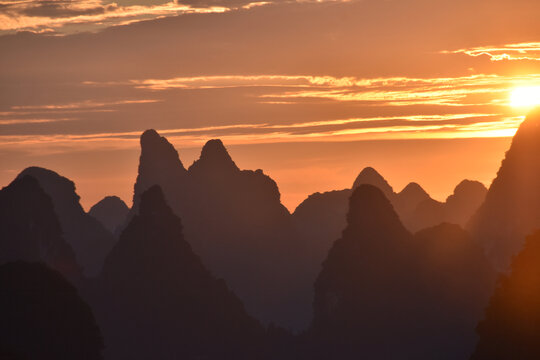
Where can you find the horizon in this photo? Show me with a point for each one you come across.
(82, 80)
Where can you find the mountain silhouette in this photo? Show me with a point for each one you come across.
(370, 176)
(456, 281)
(30, 229)
(157, 300)
(158, 164)
(88, 238)
(111, 212)
(235, 221)
(458, 208)
(43, 317)
(464, 202)
(386, 294)
(511, 209)
(408, 199)
(359, 294)
(511, 327)
(416, 209)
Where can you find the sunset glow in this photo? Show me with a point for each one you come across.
(82, 80)
(525, 96)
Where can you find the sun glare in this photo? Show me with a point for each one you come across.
(525, 96)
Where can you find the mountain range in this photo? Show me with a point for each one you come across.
(208, 263)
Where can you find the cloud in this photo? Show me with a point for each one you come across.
(69, 16)
(392, 91)
(61, 16)
(520, 51)
(88, 104)
(449, 126)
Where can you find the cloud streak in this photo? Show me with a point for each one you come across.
(86, 15)
(392, 91)
(379, 128)
(520, 51)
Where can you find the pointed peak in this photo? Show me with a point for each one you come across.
(214, 155)
(369, 208)
(159, 150)
(153, 201)
(151, 139)
(370, 176)
(214, 149)
(414, 191)
(149, 135)
(413, 187)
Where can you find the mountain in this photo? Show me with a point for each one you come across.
(456, 280)
(458, 208)
(30, 229)
(383, 293)
(511, 209)
(511, 327)
(43, 317)
(407, 200)
(370, 176)
(360, 294)
(156, 299)
(88, 238)
(320, 219)
(111, 212)
(235, 221)
(158, 164)
(466, 199)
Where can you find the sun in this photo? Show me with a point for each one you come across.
(525, 96)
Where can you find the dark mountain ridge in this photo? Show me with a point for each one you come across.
(511, 209)
(89, 239)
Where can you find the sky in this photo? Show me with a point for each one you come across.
(309, 91)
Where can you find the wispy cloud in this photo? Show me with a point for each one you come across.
(87, 104)
(66, 16)
(57, 16)
(520, 51)
(393, 91)
(32, 121)
(378, 128)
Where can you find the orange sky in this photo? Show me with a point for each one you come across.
(311, 92)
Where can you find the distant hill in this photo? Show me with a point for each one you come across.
(90, 240)
(111, 212)
(458, 208)
(511, 209)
